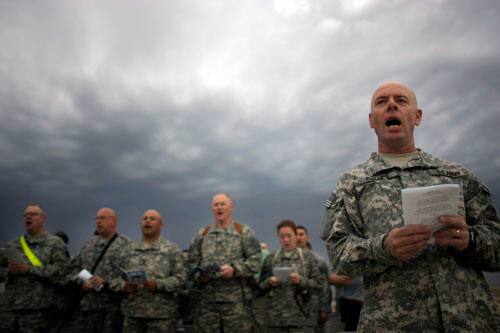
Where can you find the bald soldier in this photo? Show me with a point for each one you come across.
(39, 264)
(149, 304)
(229, 255)
(410, 284)
(99, 307)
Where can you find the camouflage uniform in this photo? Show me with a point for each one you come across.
(99, 311)
(289, 307)
(324, 296)
(259, 301)
(225, 301)
(440, 289)
(145, 310)
(30, 298)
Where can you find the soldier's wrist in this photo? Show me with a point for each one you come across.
(472, 239)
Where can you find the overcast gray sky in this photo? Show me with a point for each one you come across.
(161, 104)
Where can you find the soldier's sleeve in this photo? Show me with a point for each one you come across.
(178, 277)
(483, 221)
(57, 269)
(325, 298)
(350, 252)
(194, 251)
(116, 282)
(194, 255)
(266, 272)
(314, 280)
(75, 266)
(247, 266)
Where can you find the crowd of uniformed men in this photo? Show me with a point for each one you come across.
(224, 284)
(415, 278)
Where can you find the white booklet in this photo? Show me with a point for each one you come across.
(13, 255)
(282, 273)
(424, 205)
(85, 276)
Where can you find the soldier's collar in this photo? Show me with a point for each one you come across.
(229, 227)
(377, 164)
(40, 238)
(152, 245)
(289, 254)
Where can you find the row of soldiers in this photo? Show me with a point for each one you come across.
(115, 284)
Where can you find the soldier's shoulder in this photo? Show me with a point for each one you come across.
(356, 174)
(13, 242)
(446, 165)
(91, 241)
(309, 255)
(205, 229)
(123, 239)
(318, 257)
(53, 240)
(245, 228)
(274, 254)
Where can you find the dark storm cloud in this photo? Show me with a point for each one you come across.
(162, 104)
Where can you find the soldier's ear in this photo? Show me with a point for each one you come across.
(371, 121)
(418, 117)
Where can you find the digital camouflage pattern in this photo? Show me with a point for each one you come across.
(98, 311)
(320, 299)
(34, 293)
(225, 246)
(291, 305)
(440, 289)
(163, 262)
(36, 289)
(105, 299)
(324, 295)
(160, 325)
(289, 329)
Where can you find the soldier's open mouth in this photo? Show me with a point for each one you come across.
(393, 122)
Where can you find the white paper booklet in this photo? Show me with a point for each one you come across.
(282, 273)
(424, 205)
(85, 276)
(13, 255)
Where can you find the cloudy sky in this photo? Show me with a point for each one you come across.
(161, 104)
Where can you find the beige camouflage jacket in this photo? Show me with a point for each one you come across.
(226, 246)
(105, 299)
(440, 289)
(37, 288)
(162, 262)
(287, 304)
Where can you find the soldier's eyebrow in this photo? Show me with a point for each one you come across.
(406, 98)
(380, 99)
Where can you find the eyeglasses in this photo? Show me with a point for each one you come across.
(32, 214)
(151, 218)
(100, 217)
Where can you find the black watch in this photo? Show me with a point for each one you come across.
(472, 239)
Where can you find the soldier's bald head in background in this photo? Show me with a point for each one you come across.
(106, 222)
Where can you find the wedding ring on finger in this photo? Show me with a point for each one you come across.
(457, 233)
